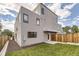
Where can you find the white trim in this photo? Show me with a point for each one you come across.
(49, 36)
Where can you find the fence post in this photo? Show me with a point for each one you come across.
(78, 38)
(71, 37)
(62, 37)
(1, 41)
(56, 37)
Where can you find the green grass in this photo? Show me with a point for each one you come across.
(47, 50)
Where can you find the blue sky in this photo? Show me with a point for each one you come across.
(74, 11)
(72, 19)
(68, 13)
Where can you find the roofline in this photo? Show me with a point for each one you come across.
(50, 32)
(28, 10)
(36, 7)
(47, 8)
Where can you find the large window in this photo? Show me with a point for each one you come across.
(42, 10)
(32, 34)
(25, 18)
(37, 21)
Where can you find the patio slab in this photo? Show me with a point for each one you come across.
(54, 42)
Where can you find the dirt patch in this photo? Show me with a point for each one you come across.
(13, 46)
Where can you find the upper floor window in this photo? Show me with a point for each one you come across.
(37, 21)
(25, 18)
(42, 10)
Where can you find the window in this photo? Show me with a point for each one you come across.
(25, 18)
(42, 10)
(32, 34)
(37, 21)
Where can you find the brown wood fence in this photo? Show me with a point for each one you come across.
(73, 37)
(3, 40)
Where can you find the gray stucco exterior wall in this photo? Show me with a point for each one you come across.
(48, 22)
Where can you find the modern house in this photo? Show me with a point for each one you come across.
(32, 27)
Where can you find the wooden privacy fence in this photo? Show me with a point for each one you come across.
(3, 40)
(72, 37)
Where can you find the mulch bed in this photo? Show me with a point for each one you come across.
(13, 46)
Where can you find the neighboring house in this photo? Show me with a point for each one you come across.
(32, 27)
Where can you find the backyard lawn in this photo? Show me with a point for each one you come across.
(47, 50)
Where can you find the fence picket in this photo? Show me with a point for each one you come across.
(71, 37)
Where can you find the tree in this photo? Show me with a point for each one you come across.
(66, 29)
(7, 32)
(75, 29)
(0, 27)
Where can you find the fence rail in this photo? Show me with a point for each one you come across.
(72, 37)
